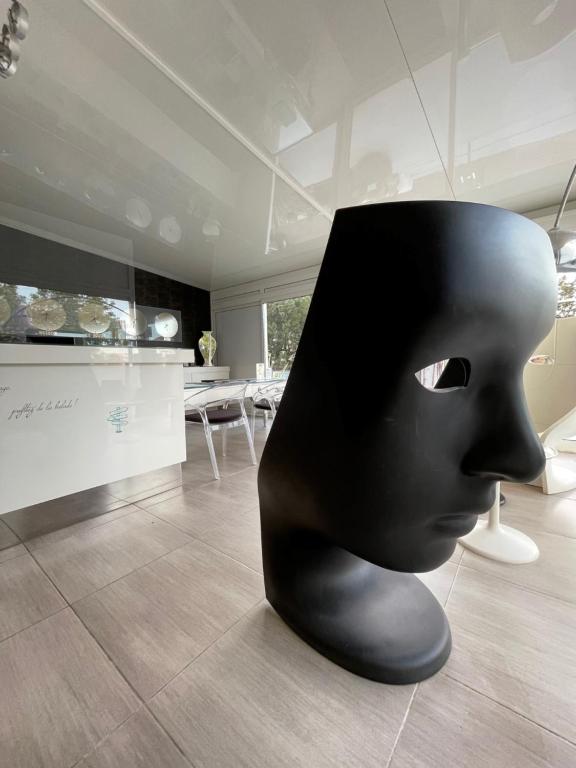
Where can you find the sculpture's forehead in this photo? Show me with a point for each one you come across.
(512, 279)
(502, 312)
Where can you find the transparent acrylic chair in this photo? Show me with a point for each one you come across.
(266, 399)
(219, 408)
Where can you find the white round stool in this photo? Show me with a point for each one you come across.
(500, 542)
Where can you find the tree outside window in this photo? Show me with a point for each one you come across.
(285, 322)
(566, 296)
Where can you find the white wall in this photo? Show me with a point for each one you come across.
(237, 317)
(240, 336)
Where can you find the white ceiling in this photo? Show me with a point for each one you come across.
(211, 140)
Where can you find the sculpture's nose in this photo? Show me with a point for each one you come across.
(506, 447)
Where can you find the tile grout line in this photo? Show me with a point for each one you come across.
(69, 606)
(481, 693)
(73, 602)
(449, 595)
(141, 699)
(168, 734)
(195, 537)
(34, 623)
(129, 573)
(522, 587)
(509, 709)
(20, 544)
(138, 696)
(195, 659)
(402, 724)
(417, 686)
(104, 739)
(26, 542)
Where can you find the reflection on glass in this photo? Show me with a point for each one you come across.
(541, 360)
(27, 312)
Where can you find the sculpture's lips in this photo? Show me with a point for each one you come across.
(456, 524)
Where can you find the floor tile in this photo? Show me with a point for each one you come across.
(457, 554)
(11, 552)
(229, 491)
(141, 486)
(532, 511)
(260, 697)
(26, 595)
(239, 487)
(197, 472)
(88, 560)
(194, 512)
(59, 695)
(173, 493)
(7, 537)
(63, 533)
(450, 725)
(439, 581)
(554, 573)
(237, 535)
(156, 620)
(136, 498)
(139, 743)
(231, 528)
(38, 519)
(515, 646)
(198, 465)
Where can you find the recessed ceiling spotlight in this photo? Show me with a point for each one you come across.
(11, 34)
(138, 212)
(170, 230)
(39, 171)
(545, 13)
(8, 66)
(12, 43)
(211, 228)
(19, 20)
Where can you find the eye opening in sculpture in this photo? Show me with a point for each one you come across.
(445, 375)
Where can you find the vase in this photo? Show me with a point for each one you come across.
(207, 344)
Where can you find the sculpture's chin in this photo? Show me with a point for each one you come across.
(422, 558)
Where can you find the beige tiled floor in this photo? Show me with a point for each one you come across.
(141, 639)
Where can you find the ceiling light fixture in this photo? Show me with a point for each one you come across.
(544, 13)
(564, 240)
(211, 228)
(12, 34)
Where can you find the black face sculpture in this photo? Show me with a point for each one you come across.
(366, 469)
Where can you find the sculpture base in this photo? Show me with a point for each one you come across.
(379, 624)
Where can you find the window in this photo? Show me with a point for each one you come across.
(284, 321)
(566, 295)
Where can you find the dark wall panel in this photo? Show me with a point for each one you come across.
(27, 259)
(31, 260)
(194, 304)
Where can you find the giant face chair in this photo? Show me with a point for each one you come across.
(368, 476)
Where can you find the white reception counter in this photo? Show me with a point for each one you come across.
(73, 418)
